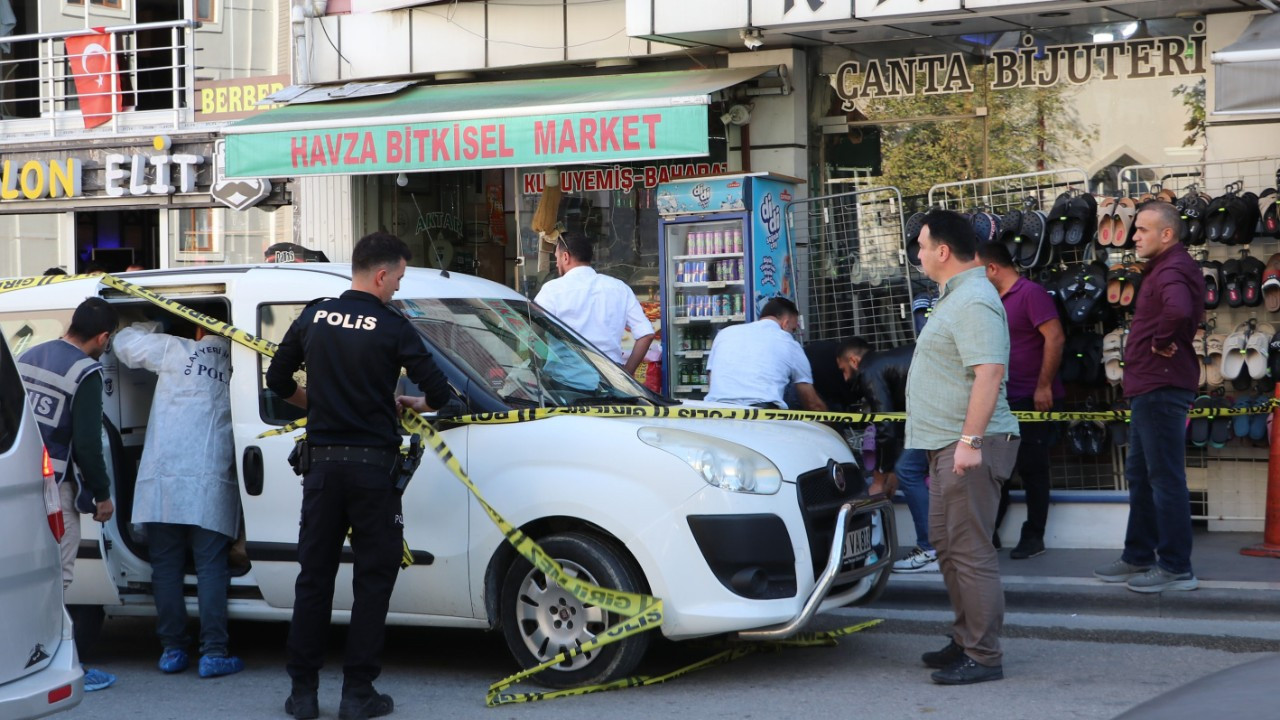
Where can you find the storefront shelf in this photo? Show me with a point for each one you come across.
(712, 256)
(691, 354)
(710, 284)
(713, 319)
(692, 388)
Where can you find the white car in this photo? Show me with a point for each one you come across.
(732, 523)
(39, 671)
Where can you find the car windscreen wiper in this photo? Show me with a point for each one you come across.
(608, 400)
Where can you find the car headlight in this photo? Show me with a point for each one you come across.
(720, 463)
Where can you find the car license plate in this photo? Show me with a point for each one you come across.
(857, 545)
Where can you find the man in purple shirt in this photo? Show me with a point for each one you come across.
(1161, 375)
(1035, 352)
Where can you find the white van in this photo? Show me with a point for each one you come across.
(39, 672)
(731, 523)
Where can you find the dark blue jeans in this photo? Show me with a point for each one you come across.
(169, 543)
(1159, 505)
(911, 469)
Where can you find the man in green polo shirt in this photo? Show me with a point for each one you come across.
(958, 413)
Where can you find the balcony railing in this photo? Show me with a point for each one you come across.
(147, 69)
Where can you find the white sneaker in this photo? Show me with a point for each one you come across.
(920, 560)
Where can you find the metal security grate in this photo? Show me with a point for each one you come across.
(858, 277)
(1211, 176)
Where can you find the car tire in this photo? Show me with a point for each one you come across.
(86, 624)
(540, 620)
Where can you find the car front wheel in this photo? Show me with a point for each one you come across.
(541, 620)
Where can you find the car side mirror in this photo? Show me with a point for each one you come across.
(251, 470)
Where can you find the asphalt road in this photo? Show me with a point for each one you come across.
(1058, 666)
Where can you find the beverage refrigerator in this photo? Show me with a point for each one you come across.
(725, 252)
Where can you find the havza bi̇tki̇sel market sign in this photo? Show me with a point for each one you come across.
(1025, 67)
(162, 173)
(615, 136)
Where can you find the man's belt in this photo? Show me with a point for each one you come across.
(381, 457)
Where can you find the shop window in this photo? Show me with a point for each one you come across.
(109, 4)
(273, 321)
(205, 11)
(39, 249)
(204, 236)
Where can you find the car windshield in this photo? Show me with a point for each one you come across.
(526, 357)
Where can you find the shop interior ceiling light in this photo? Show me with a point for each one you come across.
(753, 38)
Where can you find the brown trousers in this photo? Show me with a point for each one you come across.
(962, 517)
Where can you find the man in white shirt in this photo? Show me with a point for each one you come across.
(597, 306)
(752, 364)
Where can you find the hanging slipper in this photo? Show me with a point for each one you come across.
(1234, 349)
(1106, 213)
(1220, 427)
(1194, 211)
(1251, 270)
(1113, 357)
(1233, 282)
(1120, 428)
(1132, 281)
(1122, 223)
(1212, 270)
(1257, 348)
(1082, 212)
(1267, 210)
(1167, 195)
(1057, 225)
(1198, 432)
(1034, 251)
(1215, 354)
(1240, 423)
(1271, 284)
(1115, 282)
(1215, 219)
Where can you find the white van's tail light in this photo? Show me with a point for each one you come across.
(52, 503)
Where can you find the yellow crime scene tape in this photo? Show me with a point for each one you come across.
(641, 612)
(724, 413)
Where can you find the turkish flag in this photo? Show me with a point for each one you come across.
(93, 64)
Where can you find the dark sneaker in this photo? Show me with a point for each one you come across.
(303, 705)
(1119, 571)
(968, 672)
(1027, 548)
(1157, 579)
(944, 658)
(360, 707)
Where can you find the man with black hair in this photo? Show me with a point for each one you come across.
(64, 384)
(880, 379)
(186, 494)
(833, 366)
(597, 306)
(1035, 354)
(353, 348)
(752, 364)
(957, 412)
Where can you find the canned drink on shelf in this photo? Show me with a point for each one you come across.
(702, 271)
(737, 304)
(736, 241)
(679, 303)
(717, 242)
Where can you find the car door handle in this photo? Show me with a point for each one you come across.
(252, 470)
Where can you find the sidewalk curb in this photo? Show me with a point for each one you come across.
(1213, 600)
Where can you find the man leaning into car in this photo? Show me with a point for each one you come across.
(353, 348)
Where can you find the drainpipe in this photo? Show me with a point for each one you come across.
(298, 15)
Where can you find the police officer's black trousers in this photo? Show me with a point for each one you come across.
(336, 496)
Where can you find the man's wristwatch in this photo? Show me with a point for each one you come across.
(973, 441)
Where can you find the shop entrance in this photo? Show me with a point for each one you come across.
(113, 240)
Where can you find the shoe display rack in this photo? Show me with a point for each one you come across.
(859, 285)
(1048, 222)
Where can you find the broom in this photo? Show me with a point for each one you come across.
(544, 217)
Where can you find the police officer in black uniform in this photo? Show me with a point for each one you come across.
(353, 348)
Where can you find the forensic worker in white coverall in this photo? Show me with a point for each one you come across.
(186, 494)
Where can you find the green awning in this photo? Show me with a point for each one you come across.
(552, 121)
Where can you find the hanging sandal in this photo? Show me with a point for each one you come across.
(1132, 281)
